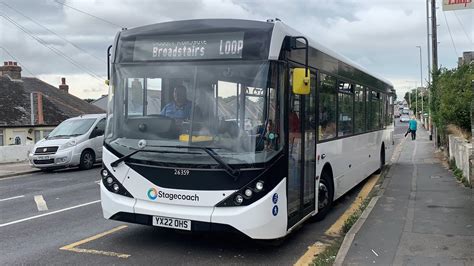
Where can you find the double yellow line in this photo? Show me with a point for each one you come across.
(336, 227)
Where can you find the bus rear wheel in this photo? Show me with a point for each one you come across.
(325, 196)
(382, 159)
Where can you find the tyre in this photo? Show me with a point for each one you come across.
(87, 160)
(325, 196)
(382, 160)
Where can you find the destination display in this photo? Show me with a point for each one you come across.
(189, 47)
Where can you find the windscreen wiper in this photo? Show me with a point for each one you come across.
(235, 173)
(125, 157)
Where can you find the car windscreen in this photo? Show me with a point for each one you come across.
(71, 128)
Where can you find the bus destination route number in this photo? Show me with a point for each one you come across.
(172, 223)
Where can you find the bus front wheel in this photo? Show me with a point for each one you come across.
(325, 196)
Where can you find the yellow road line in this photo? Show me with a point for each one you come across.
(335, 229)
(72, 247)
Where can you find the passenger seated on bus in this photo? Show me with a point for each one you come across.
(180, 107)
(327, 130)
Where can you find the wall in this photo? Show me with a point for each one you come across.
(14, 153)
(26, 134)
(461, 151)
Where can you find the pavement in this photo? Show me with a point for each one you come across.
(14, 169)
(423, 217)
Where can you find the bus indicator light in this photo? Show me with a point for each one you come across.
(259, 186)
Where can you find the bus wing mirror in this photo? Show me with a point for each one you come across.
(300, 81)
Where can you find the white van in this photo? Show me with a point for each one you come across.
(75, 142)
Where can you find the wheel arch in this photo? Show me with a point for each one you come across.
(327, 168)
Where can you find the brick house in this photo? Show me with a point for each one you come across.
(30, 108)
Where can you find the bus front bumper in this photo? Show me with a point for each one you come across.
(263, 219)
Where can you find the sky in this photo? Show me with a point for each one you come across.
(380, 35)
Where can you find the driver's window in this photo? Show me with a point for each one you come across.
(135, 96)
(228, 107)
(153, 96)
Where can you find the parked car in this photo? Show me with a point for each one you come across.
(75, 142)
(404, 118)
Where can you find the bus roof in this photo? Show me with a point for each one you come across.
(266, 39)
(281, 30)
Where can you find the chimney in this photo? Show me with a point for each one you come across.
(64, 87)
(12, 69)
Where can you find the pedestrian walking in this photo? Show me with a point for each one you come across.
(412, 127)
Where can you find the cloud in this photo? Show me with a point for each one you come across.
(380, 35)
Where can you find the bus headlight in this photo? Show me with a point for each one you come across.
(112, 184)
(105, 173)
(248, 192)
(239, 199)
(264, 182)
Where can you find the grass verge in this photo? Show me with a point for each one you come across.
(328, 256)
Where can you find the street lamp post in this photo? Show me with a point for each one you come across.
(421, 81)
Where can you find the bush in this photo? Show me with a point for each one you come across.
(452, 97)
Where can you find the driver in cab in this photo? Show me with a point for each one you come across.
(180, 107)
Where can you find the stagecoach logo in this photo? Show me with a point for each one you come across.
(152, 193)
(190, 46)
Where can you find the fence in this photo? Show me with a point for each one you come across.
(461, 151)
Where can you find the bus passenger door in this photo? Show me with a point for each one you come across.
(301, 154)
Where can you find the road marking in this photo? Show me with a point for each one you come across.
(16, 197)
(73, 247)
(336, 227)
(375, 253)
(41, 203)
(49, 213)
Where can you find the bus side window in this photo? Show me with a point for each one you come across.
(327, 108)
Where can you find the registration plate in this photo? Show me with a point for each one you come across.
(172, 223)
(43, 157)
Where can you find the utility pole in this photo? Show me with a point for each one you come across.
(434, 50)
(421, 81)
(434, 35)
(428, 39)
